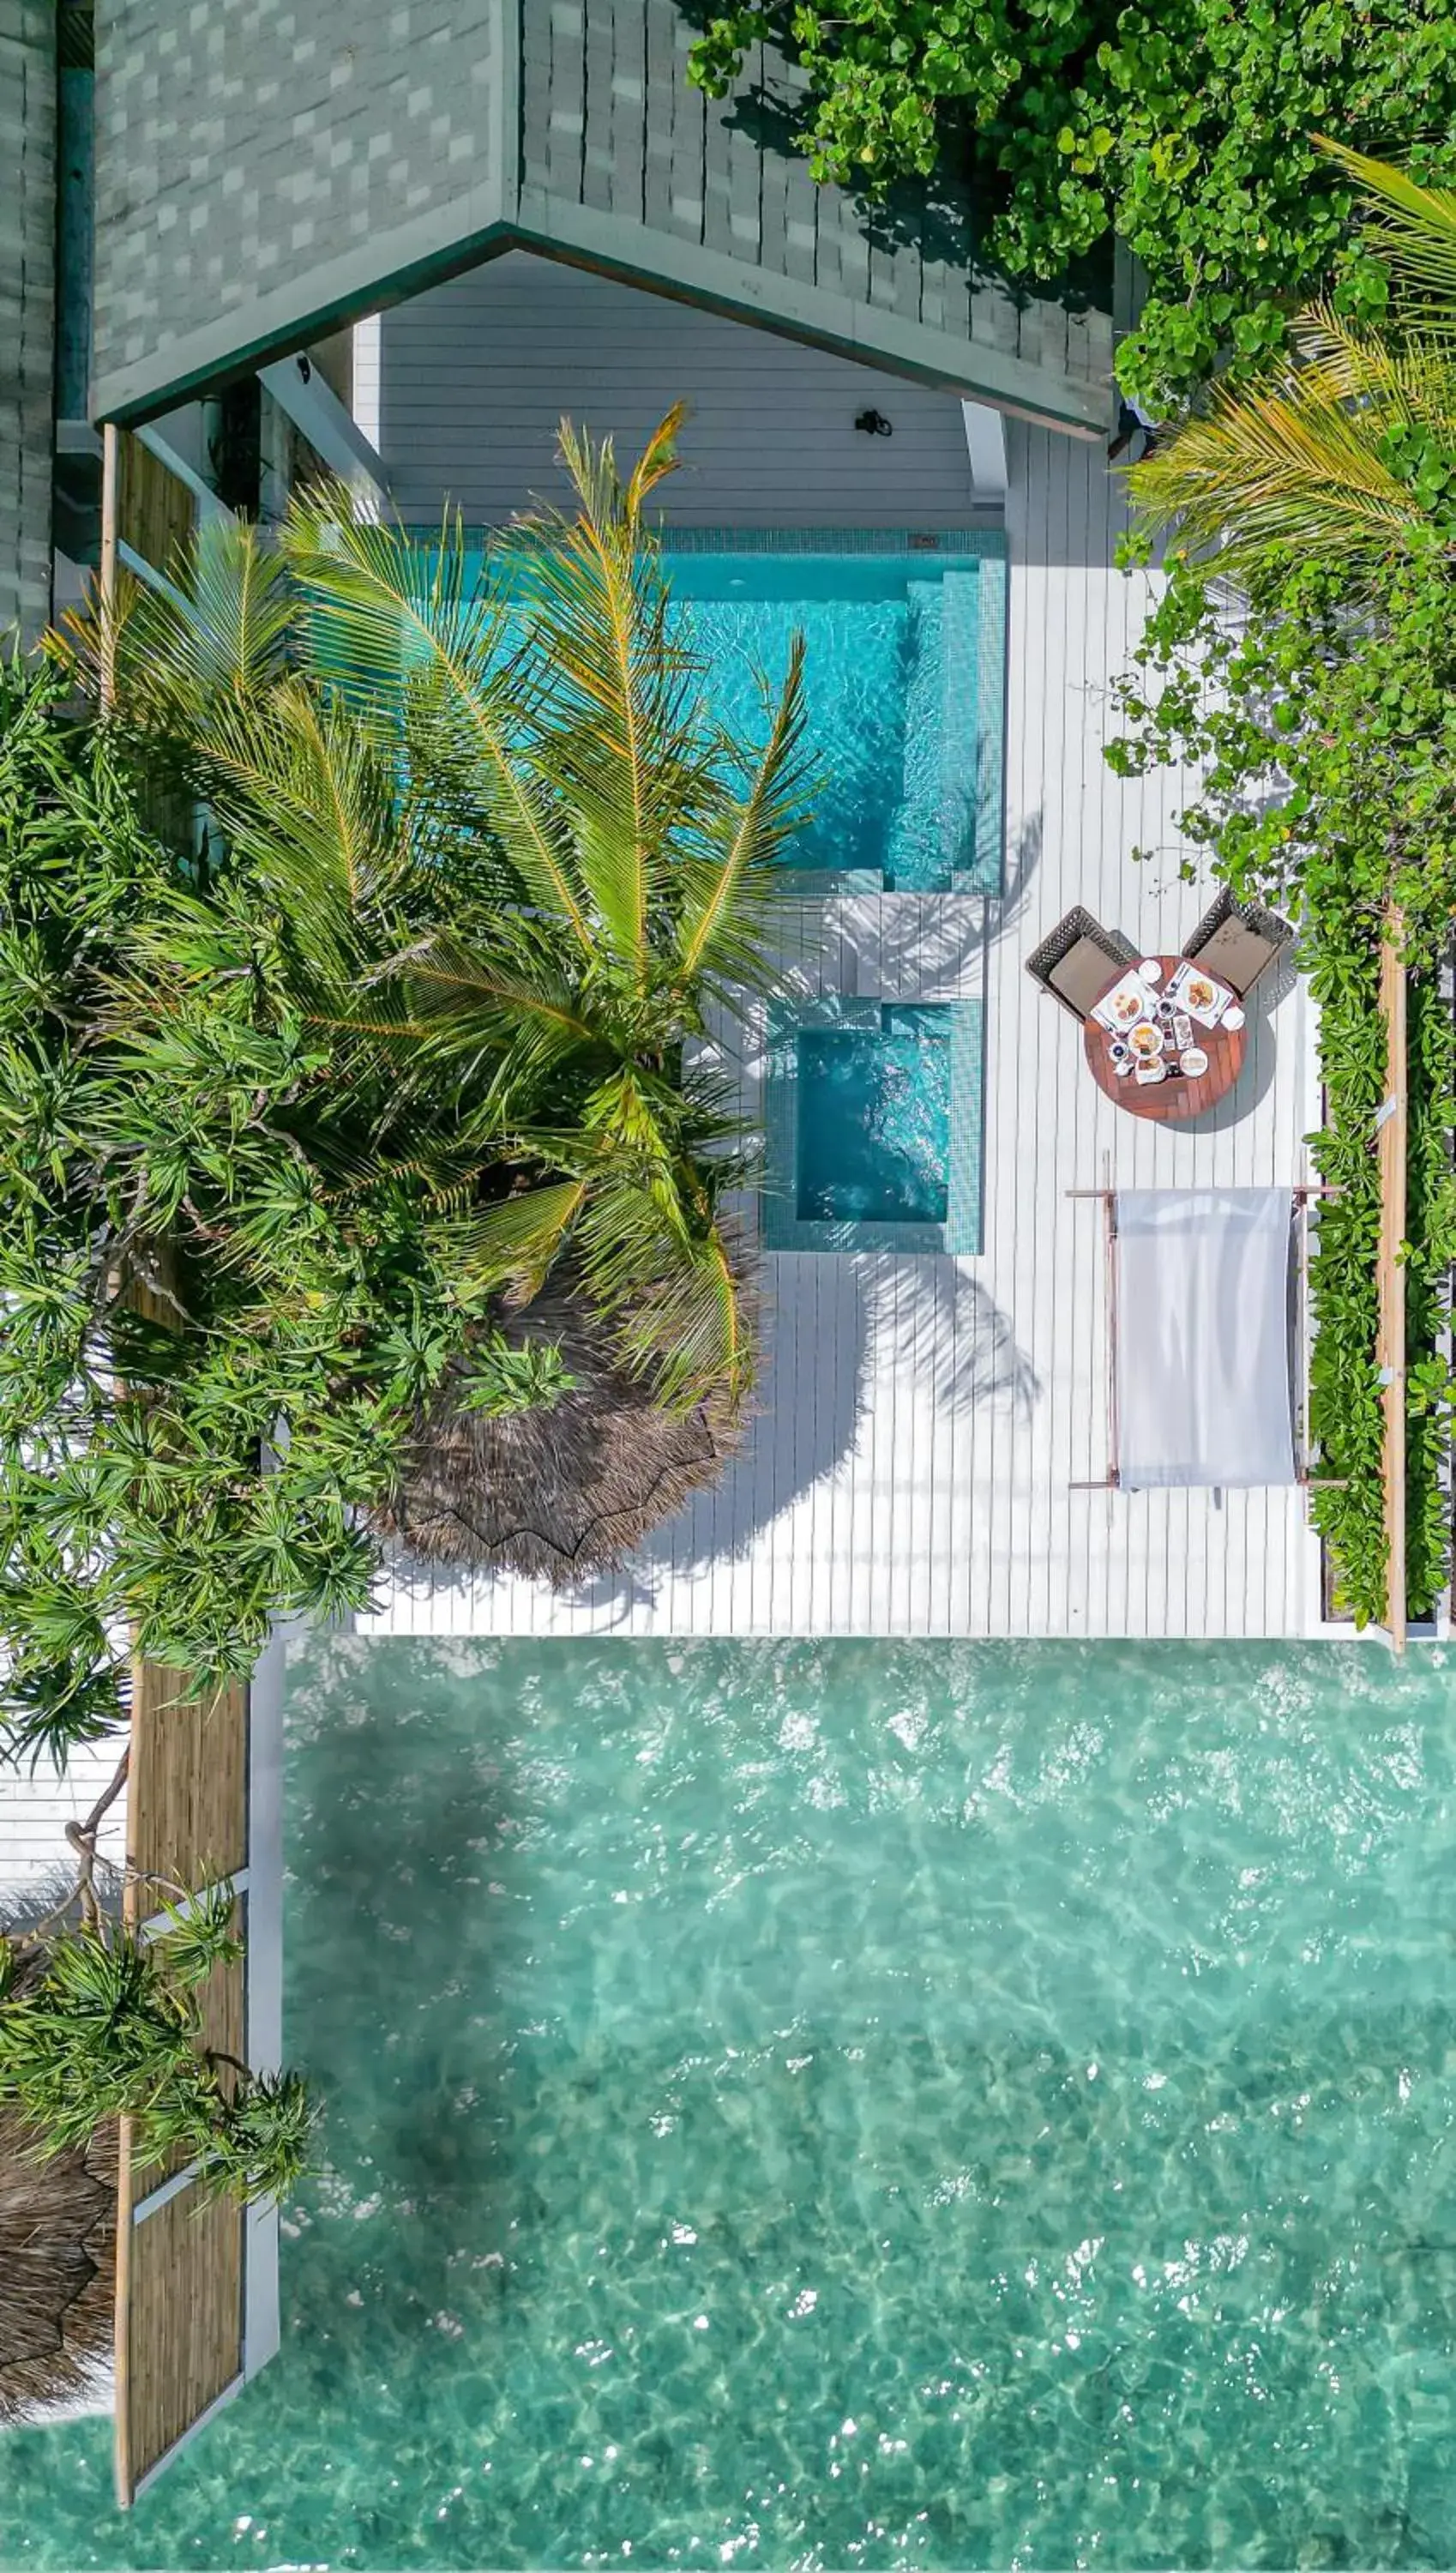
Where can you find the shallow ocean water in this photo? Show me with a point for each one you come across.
(836, 2105)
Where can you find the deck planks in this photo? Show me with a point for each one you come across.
(923, 1422)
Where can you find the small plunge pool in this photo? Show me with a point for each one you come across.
(874, 1120)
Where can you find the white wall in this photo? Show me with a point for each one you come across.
(475, 377)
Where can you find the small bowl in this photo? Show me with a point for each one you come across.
(1149, 970)
(1233, 1016)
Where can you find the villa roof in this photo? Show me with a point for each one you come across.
(27, 255)
(264, 172)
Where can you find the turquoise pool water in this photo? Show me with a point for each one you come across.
(874, 1125)
(903, 683)
(848, 2106)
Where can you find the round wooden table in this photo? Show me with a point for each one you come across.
(1170, 1100)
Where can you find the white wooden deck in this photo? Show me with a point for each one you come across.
(34, 1812)
(924, 1422)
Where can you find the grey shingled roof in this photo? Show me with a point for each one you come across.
(266, 168)
(27, 309)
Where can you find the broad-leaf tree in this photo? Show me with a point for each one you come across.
(1349, 448)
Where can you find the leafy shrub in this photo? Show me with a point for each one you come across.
(1330, 739)
(102, 2022)
(174, 1136)
(1183, 126)
(296, 1124)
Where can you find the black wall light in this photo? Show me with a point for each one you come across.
(874, 424)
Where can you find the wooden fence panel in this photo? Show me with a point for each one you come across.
(187, 1789)
(154, 510)
(181, 2262)
(184, 2315)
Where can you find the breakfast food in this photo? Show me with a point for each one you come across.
(1194, 1061)
(1127, 1006)
(1147, 1040)
(1199, 993)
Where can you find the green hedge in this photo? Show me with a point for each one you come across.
(1183, 126)
(1327, 742)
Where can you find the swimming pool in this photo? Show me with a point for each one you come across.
(874, 1120)
(850, 2105)
(904, 687)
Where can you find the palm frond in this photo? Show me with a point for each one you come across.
(1413, 228)
(673, 1296)
(733, 883)
(516, 1241)
(1296, 463)
(624, 750)
(308, 795)
(420, 626)
(222, 633)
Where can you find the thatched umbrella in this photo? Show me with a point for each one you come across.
(564, 1493)
(57, 2266)
(57, 2270)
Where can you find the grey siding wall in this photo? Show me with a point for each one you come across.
(476, 374)
(27, 308)
(245, 145)
(266, 169)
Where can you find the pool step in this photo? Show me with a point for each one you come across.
(914, 858)
(960, 719)
(963, 1236)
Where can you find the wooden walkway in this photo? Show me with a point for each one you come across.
(924, 1422)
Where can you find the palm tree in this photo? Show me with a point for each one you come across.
(517, 866)
(1349, 448)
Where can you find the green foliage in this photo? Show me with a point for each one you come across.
(518, 862)
(106, 2024)
(1329, 739)
(168, 1123)
(1348, 446)
(1183, 126)
(289, 1116)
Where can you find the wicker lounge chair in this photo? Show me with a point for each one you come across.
(1074, 961)
(1239, 940)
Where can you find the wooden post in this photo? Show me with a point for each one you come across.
(1390, 1347)
(110, 513)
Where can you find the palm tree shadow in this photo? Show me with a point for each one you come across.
(844, 1324)
(1005, 910)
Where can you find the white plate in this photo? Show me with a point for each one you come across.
(1194, 1061)
(1208, 1012)
(1151, 970)
(1126, 1000)
(1149, 1072)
